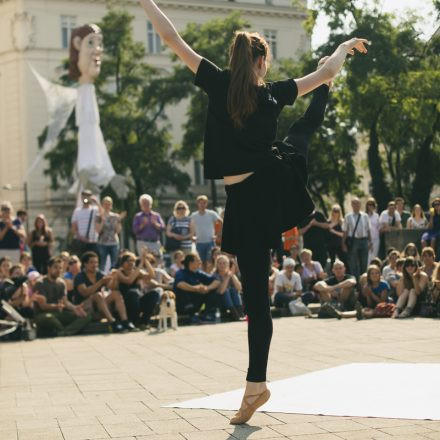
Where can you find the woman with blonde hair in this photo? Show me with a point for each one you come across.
(373, 216)
(180, 229)
(334, 245)
(418, 219)
(241, 126)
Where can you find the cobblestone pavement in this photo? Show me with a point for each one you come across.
(112, 386)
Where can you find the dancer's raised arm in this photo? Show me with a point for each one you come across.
(331, 67)
(170, 36)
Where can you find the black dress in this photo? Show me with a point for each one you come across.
(40, 254)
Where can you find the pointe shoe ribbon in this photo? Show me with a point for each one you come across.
(244, 414)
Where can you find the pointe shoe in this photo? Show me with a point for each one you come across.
(244, 414)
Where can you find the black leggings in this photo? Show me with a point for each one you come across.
(254, 264)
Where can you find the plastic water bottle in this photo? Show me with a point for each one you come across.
(217, 316)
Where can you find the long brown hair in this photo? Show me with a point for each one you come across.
(80, 32)
(408, 281)
(242, 93)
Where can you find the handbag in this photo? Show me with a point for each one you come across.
(349, 241)
(384, 310)
(298, 308)
(171, 244)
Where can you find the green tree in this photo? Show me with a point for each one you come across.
(392, 98)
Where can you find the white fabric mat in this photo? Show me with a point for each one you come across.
(386, 390)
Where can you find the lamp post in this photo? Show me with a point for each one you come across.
(24, 188)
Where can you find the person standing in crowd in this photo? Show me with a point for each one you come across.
(240, 129)
(147, 227)
(389, 220)
(417, 219)
(56, 315)
(88, 285)
(180, 229)
(410, 289)
(334, 243)
(287, 286)
(357, 238)
(373, 217)
(204, 225)
(108, 227)
(400, 208)
(339, 287)
(11, 233)
(430, 236)
(314, 230)
(40, 241)
(84, 224)
(193, 288)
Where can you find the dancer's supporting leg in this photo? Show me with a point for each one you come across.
(254, 263)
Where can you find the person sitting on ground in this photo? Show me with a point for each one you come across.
(18, 297)
(411, 250)
(5, 267)
(73, 269)
(89, 285)
(390, 269)
(177, 265)
(411, 289)
(230, 286)
(340, 287)
(210, 264)
(434, 285)
(161, 278)
(26, 262)
(127, 281)
(428, 260)
(273, 272)
(433, 232)
(288, 285)
(418, 219)
(193, 288)
(56, 315)
(363, 278)
(376, 290)
(294, 253)
(65, 258)
(312, 270)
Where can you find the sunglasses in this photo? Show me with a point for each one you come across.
(180, 207)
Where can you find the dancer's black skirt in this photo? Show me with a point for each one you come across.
(272, 200)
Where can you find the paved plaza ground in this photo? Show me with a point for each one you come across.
(112, 386)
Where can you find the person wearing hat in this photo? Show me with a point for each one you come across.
(288, 284)
(11, 233)
(84, 224)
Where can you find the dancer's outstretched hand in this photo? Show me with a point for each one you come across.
(356, 43)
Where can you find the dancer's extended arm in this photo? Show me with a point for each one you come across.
(331, 67)
(170, 36)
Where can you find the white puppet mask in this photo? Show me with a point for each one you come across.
(90, 50)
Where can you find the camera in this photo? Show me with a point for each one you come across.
(10, 286)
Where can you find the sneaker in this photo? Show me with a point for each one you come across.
(117, 327)
(208, 318)
(359, 311)
(129, 326)
(406, 313)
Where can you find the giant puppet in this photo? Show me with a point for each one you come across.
(94, 167)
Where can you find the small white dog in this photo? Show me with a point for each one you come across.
(167, 310)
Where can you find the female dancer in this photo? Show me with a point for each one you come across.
(241, 126)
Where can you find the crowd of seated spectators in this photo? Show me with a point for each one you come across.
(352, 276)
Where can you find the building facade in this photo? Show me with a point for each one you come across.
(37, 33)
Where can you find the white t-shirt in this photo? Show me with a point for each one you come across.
(288, 285)
(81, 216)
(204, 225)
(385, 218)
(374, 225)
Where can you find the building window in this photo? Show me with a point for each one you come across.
(271, 38)
(68, 23)
(153, 39)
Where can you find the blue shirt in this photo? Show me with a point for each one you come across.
(383, 285)
(192, 278)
